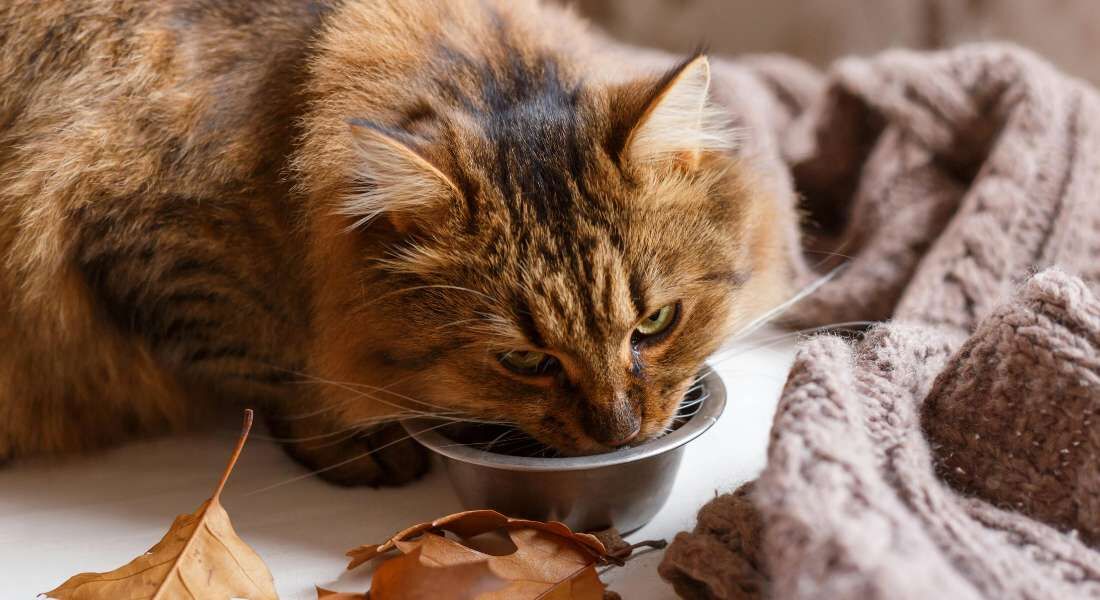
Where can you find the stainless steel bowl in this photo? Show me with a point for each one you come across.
(624, 489)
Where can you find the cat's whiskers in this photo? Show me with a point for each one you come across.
(487, 446)
(694, 402)
(437, 409)
(695, 386)
(525, 447)
(721, 357)
(361, 394)
(342, 436)
(356, 427)
(351, 430)
(829, 253)
(697, 405)
(713, 364)
(771, 341)
(762, 320)
(304, 415)
(339, 464)
(503, 328)
(501, 437)
(748, 374)
(449, 415)
(353, 388)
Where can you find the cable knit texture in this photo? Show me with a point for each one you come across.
(954, 450)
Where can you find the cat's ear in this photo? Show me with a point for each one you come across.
(396, 179)
(676, 121)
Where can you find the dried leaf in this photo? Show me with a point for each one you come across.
(435, 568)
(323, 594)
(550, 562)
(544, 567)
(611, 539)
(200, 557)
(471, 523)
(620, 550)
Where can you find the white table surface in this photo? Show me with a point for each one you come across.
(96, 513)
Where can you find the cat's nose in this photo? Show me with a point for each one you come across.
(626, 439)
(614, 423)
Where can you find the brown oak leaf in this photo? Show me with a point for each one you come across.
(550, 562)
(200, 557)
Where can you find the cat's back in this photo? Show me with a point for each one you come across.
(118, 92)
(113, 114)
(122, 102)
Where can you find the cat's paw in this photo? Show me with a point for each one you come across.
(381, 456)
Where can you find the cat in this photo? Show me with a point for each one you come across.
(347, 212)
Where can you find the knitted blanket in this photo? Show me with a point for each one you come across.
(954, 450)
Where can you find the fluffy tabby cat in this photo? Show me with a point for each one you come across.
(346, 211)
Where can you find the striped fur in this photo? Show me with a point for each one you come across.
(341, 213)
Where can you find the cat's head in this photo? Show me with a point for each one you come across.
(563, 258)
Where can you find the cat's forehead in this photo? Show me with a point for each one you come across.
(584, 293)
(542, 159)
(580, 279)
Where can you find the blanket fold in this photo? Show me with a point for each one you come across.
(951, 451)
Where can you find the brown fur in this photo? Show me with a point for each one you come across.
(178, 227)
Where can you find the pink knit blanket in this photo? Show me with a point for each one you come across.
(954, 450)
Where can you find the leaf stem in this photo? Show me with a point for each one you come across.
(236, 454)
(618, 558)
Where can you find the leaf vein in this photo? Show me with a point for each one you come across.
(244, 570)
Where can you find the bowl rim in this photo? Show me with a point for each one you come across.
(423, 430)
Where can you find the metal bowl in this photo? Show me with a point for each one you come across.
(624, 488)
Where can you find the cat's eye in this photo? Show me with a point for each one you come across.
(529, 362)
(657, 322)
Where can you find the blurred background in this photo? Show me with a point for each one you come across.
(1066, 32)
